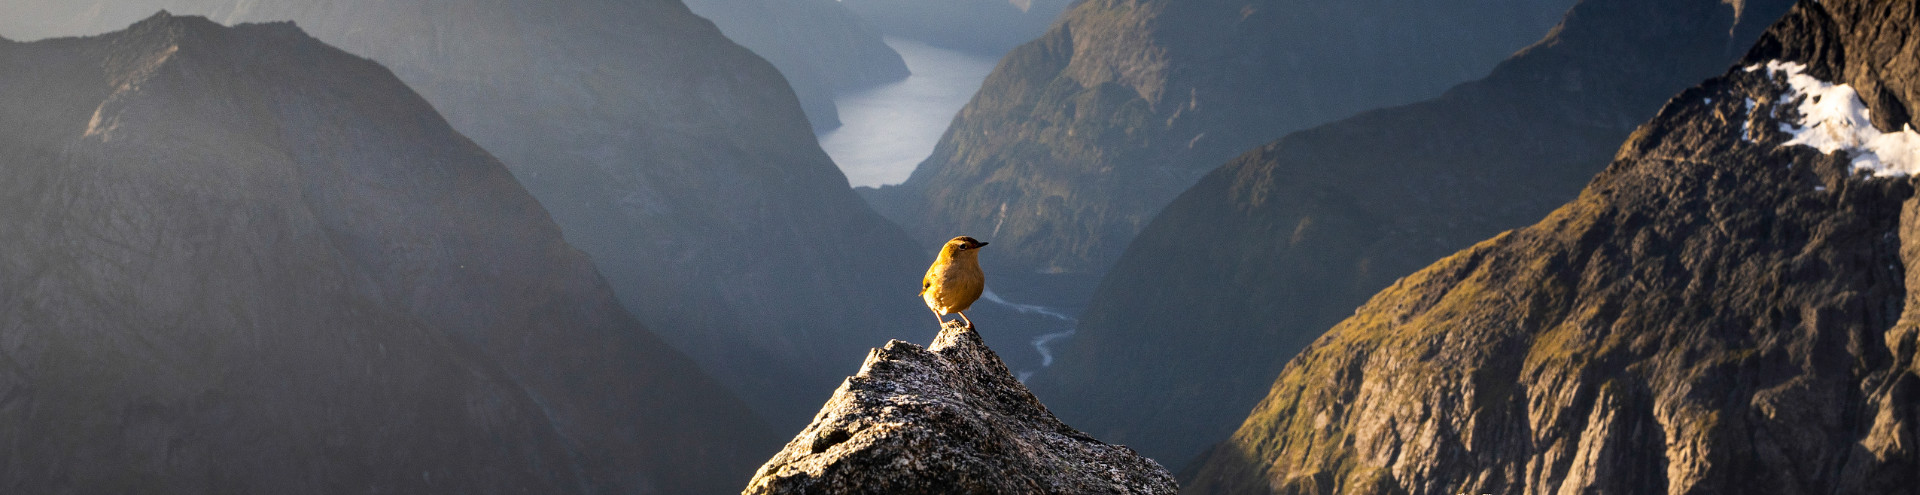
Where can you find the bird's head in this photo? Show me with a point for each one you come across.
(962, 244)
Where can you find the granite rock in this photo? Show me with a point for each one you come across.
(948, 418)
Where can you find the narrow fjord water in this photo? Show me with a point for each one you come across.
(887, 130)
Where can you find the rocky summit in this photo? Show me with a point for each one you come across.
(948, 418)
(1728, 308)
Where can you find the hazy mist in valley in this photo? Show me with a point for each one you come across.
(640, 246)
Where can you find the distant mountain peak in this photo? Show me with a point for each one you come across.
(161, 35)
(1079, 137)
(1728, 308)
(167, 20)
(217, 243)
(1277, 245)
(662, 148)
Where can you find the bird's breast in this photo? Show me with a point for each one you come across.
(955, 285)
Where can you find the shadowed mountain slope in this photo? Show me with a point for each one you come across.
(680, 161)
(1078, 138)
(239, 260)
(820, 46)
(1270, 250)
(1726, 309)
(980, 26)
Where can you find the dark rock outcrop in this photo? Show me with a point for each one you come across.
(1270, 250)
(240, 260)
(678, 160)
(1078, 138)
(820, 46)
(1723, 310)
(948, 418)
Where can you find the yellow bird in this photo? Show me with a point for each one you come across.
(954, 281)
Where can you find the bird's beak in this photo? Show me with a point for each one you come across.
(981, 245)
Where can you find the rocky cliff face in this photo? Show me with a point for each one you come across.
(1265, 253)
(239, 260)
(821, 47)
(1078, 138)
(981, 26)
(948, 418)
(678, 160)
(1726, 309)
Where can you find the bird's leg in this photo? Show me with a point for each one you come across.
(963, 317)
(936, 317)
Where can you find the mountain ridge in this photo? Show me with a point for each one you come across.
(821, 47)
(1723, 309)
(680, 161)
(1078, 138)
(1280, 243)
(979, 26)
(229, 271)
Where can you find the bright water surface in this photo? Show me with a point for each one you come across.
(887, 130)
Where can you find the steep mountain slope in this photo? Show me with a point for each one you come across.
(1267, 252)
(820, 46)
(1077, 139)
(678, 160)
(239, 260)
(981, 26)
(1726, 309)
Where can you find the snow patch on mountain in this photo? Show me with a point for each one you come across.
(1834, 118)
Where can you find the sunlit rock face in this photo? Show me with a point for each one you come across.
(1270, 250)
(240, 260)
(678, 160)
(1728, 308)
(948, 418)
(1082, 135)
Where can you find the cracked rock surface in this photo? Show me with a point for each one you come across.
(948, 418)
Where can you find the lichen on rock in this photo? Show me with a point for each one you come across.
(948, 418)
